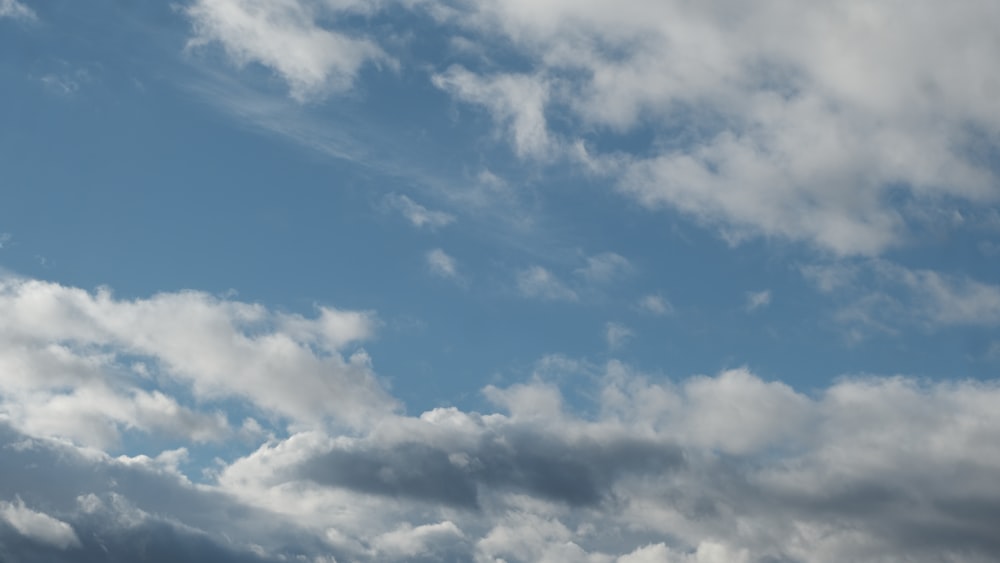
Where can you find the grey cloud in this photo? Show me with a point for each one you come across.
(706, 469)
(521, 460)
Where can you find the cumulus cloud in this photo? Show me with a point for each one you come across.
(537, 282)
(418, 215)
(38, 526)
(286, 37)
(707, 468)
(68, 362)
(729, 467)
(808, 132)
(16, 10)
(843, 131)
(722, 468)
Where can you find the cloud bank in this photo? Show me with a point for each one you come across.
(729, 467)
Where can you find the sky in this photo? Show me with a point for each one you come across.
(499, 281)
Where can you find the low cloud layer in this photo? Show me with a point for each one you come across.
(729, 467)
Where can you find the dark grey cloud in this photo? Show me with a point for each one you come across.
(578, 473)
(131, 512)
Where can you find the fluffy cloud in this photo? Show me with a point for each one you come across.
(728, 467)
(705, 469)
(286, 37)
(38, 526)
(807, 131)
(80, 365)
(723, 468)
(841, 131)
(517, 102)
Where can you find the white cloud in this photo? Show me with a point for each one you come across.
(539, 283)
(286, 37)
(16, 10)
(5, 239)
(441, 264)
(38, 526)
(655, 305)
(808, 132)
(66, 357)
(605, 267)
(757, 299)
(418, 215)
(408, 541)
(516, 102)
(617, 335)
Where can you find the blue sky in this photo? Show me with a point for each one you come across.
(515, 260)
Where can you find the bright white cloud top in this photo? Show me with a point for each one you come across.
(416, 280)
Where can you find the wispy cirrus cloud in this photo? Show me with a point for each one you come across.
(442, 264)
(16, 10)
(886, 296)
(655, 305)
(757, 300)
(538, 282)
(418, 215)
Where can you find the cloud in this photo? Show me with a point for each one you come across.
(516, 102)
(711, 468)
(418, 215)
(286, 37)
(636, 467)
(721, 468)
(537, 282)
(16, 10)
(67, 360)
(38, 526)
(883, 295)
(617, 335)
(757, 299)
(441, 264)
(605, 267)
(655, 305)
(811, 133)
